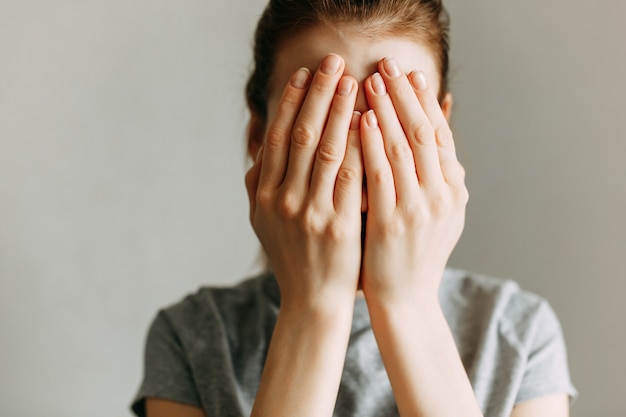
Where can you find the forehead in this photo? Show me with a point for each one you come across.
(360, 51)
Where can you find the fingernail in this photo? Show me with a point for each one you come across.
(345, 87)
(356, 118)
(331, 64)
(418, 79)
(371, 119)
(300, 79)
(378, 84)
(392, 67)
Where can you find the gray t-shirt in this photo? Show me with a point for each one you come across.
(208, 350)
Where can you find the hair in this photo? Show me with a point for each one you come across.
(425, 21)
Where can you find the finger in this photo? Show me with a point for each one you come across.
(310, 122)
(415, 123)
(277, 139)
(396, 146)
(332, 147)
(349, 180)
(451, 169)
(252, 183)
(381, 193)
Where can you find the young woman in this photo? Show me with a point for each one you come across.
(358, 199)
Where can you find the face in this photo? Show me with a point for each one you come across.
(361, 54)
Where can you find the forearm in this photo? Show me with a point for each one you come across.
(421, 359)
(305, 361)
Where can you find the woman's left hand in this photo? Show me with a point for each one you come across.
(415, 185)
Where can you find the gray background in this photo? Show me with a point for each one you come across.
(121, 179)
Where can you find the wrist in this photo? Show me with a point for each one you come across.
(405, 293)
(321, 326)
(415, 304)
(316, 294)
(329, 308)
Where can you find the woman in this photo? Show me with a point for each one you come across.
(358, 199)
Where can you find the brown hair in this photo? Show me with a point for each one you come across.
(425, 21)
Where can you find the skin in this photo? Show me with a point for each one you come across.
(333, 120)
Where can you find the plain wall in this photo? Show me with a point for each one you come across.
(121, 179)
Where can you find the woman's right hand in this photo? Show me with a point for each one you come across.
(305, 188)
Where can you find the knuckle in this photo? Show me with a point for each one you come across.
(288, 205)
(416, 214)
(291, 97)
(336, 231)
(348, 174)
(382, 176)
(444, 135)
(251, 218)
(328, 152)
(264, 197)
(401, 151)
(249, 179)
(421, 132)
(461, 171)
(304, 135)
(308, 220)
(320, 86)
(440, 203)
(402, 90)
(274, 138)
(457, 173)
(462, 195)
(330, 229)
(394, 228)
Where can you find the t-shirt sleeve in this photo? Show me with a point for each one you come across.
(167, 374)
(547, 371)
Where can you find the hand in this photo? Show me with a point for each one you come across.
(305, 188)
(416, 191)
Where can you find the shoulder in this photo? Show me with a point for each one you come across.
(495, 316)
(218, 311)
(510, 339)
(192, 344)
(472, 296)
(219, 300)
